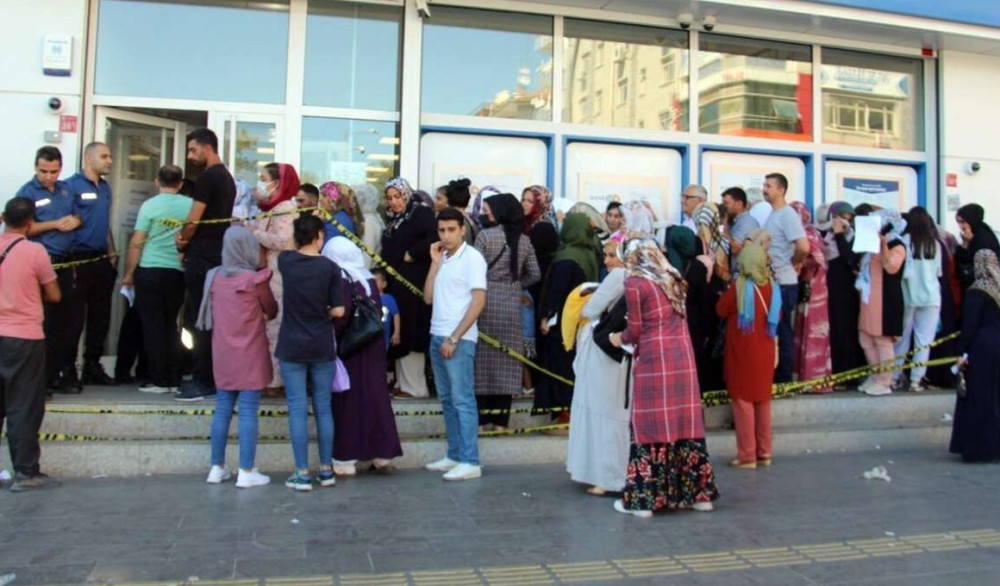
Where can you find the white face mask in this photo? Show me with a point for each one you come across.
(262, 189)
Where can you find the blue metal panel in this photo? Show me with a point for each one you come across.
(980, 12)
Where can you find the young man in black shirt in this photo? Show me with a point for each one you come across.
(214, 194)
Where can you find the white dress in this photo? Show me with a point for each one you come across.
(599, 421)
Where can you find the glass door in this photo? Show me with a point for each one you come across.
(248, 142)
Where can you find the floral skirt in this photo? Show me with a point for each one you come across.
(669, 476)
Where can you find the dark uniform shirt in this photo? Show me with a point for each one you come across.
(92, 202)
(49, 206)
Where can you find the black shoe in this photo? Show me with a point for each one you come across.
(68, 384)
(24, 483)
(93, 374)
(125, 379)
(194, 392)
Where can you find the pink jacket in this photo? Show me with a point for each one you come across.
(240, 306)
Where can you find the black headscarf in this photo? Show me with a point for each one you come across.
(982, 235)
(509, 214)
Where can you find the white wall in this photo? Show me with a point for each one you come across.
(25, 90)
(970, 132)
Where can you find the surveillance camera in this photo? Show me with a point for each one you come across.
(685, 19)
(973, 168)
(423, 8)
(708, 23)
(55, 105)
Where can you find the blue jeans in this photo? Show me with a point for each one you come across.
(786, 334)
(455, 382)
(249, 402)
(321, 375)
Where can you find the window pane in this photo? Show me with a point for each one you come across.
(219, 50)
(352, 55)
(885, 93)
(754, 88)
(644, 68)
(484, 63)
(348, 151)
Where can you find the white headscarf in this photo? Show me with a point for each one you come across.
(349, 258)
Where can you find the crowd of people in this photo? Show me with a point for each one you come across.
(627, 320)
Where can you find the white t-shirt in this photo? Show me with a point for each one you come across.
(458, 276)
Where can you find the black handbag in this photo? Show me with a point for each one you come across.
(364, 328)
(613, 320)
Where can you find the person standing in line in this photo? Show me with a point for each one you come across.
(976, 235)
(307, 348)
(615, 220)
(26, 280)
(153, 268)
(752, 309)
(789, 246)
(339, 200)
(236, 304)
(368, 202)
(734, 200)
(214, 194)
(95, 278)
(668, 464)
(812, 317)
(53, 227)
(844, 304)
(693, 197)
(275, 193)
(456, 289)
(458, 196)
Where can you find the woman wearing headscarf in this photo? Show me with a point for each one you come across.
(236, 306)
(276, 194)
(668, 462)
(705, 336)
(406, 247)
(880, 283)
(636, 217)
(364, 423)
(812, 320)
(511, 266)
(752, 308)
(339, 200)
(540, 227)
(368, 201)
(976, 235)
(572, 265)
(976, 430)
(844, 304)
(597, 452)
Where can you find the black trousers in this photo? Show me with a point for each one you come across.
(495, 403)
(131, 349)
(92, 305)
(159, 294)
(195, 270)
(60, 346)
(22, 399)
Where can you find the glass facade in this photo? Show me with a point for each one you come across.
(748, 87)
(872, 100)
(349, 151)
(489, 64)
(225, 51)
(352, 55)
(644, 70)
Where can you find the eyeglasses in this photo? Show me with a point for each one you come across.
(686, 196)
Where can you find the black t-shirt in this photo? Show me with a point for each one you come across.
(216, 189)
(311, 285)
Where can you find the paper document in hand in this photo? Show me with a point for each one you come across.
(129, 294)
(866, 234)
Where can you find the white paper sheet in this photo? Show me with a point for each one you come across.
(129, 294)
(866, 230)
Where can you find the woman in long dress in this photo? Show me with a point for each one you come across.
(573, 265)
(752, 308)
(975, 235)
(976, 430)
(364, 423)
(511, 267)
(812, 319)
(276, 194)
(599, 439)
(843, 305)
(668, 464)
(406, 246)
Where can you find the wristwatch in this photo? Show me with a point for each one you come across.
(451, 340)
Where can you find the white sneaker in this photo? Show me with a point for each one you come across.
(619, 506)
(218, 475)
(868, 382)
(251, 479)
(155, 389)
(876, 390)
(464, 472)
(442, 465)
(345, 469)
(703, 507)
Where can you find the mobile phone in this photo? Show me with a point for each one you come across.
(885, 230)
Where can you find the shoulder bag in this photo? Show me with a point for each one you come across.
(364, 328)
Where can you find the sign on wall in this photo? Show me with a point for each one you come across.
(887, 186)
(721, 170)
(505, 162)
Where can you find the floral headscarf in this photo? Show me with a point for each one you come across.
(987, 269)
(638, 218)
(643, 259)
(394, 220)
(288, 186)
(542, 210)
(338, 197)
(707, 219)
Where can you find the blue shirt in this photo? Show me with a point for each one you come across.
(92, 203)
(391, 309)
(330, 231)
(49, 206)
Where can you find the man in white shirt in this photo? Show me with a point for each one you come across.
(789, 248)
(456, 286)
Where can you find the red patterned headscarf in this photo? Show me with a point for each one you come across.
(288, 186)
(542, 210)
